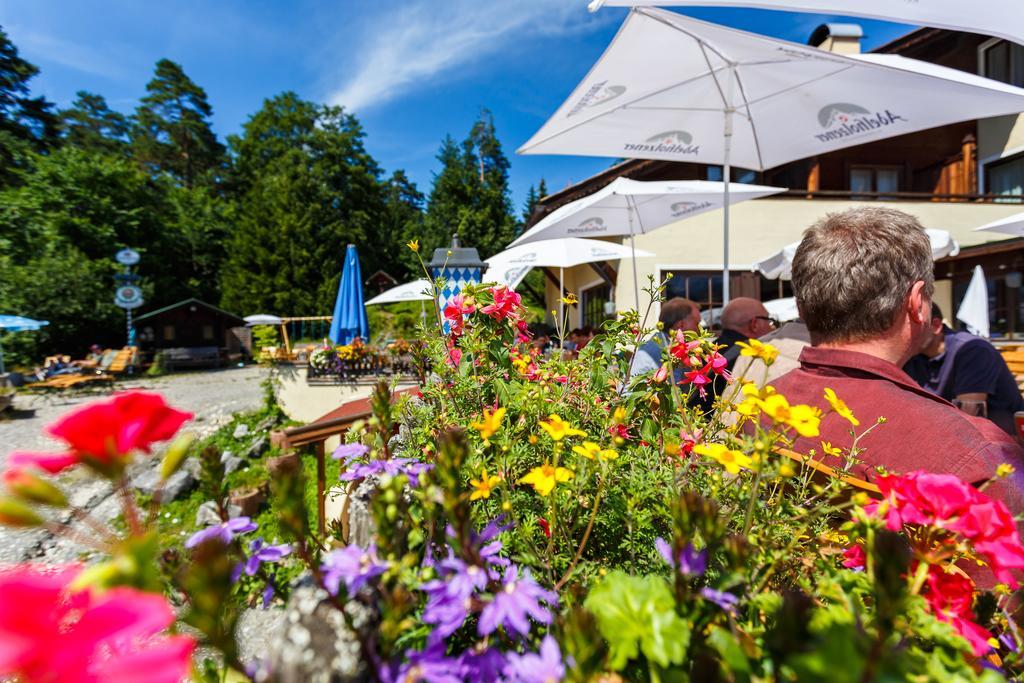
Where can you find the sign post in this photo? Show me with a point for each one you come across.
(128, 295)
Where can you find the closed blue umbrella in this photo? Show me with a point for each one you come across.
(349, 319)
(15, 323)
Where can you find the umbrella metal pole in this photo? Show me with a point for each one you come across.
(726, 177)
(632, 247)
(561, 302)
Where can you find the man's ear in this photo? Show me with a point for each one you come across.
(919, 305)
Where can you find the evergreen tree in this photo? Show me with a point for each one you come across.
(90, 124)
(533, 197)
(172, 132)
(26, 123)
(402, 221)
(470, 194)
(307, 187)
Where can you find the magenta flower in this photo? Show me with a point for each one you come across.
(353, 565)
(347, 451)
(224, 532)
(517, 599)
(545, 667)
(690, 562)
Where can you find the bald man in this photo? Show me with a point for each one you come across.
(742, 319)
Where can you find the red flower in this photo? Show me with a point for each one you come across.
(52, 634)
(719, 364)
(619, 432)
(506, 303)
(106, 433)
(454, 357)
(698, 378)
(544, 526)
(853, 557)
(950, 597)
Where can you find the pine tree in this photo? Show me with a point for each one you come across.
(26, 123)
(172, 132)
(90, 124)
(402, 221)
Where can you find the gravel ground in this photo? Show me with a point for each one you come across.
(213, 396)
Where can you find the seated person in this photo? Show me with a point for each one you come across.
(789, 340)
(676, 314)
(863, 281)
(743, 318)
(968, 371)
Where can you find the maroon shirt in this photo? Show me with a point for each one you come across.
(922, 431)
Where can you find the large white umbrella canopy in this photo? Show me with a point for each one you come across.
(512, 265)
(262, 319)
(973, 310)
(1011, 225)
(779, 265)
(631, 207)
(1002, 18)
(675, 88)
(417, 290)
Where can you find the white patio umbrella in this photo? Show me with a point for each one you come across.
(1011, 225)
(261, 319)
(417, 290)
(512, 265)
(1002, 18)
(627, 207)
(671, 87)
(779, 265)
(973, 310)
(17, 323)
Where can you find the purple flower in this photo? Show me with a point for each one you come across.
(690, 562)
(268, 595)
(392, 467)
(449, 598)
(347, 451)
(225, 532)
(517, 599)
(431, 665)
(483, 664)
(1007, 640)
(353, 565)
(727, 601)
(484, 540)
(260, 553)
(545, 667)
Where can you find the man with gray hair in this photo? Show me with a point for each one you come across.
(863, 281)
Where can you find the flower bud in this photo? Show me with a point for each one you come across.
(31, 488)
(105, 574)
(17, 514)
(176, 454)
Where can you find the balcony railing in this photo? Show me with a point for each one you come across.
(904, 196)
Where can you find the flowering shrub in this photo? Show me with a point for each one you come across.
(541, 519)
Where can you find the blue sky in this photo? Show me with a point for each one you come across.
(411, 70)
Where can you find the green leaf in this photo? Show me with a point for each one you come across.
(637, 614)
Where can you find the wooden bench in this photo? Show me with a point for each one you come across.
(830, 472)
(191, 357)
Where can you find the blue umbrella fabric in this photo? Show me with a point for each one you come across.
(349, 319)
(16, 323)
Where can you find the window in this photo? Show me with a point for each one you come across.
(874, 179)
(593, 303)
(1005, 176)
(1003, 61)
(702, 287)
(168, 332)
(739, 175)
(207, 332)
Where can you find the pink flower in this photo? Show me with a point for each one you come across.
(698, 378)
(455, 311)
(719, 365)
(950, 597)
(105, 433)
(661, 374)
(853, 557)
(453, 357)
(506, 304)
(49, 633)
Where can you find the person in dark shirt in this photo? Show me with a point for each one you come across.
(968, 371)
(743, 318)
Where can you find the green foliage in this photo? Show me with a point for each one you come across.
(27, 124)
(638, 614)
(92, 125)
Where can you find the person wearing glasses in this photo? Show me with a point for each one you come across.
(743, 318)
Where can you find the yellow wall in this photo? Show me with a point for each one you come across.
(759, 228)
(999, 136)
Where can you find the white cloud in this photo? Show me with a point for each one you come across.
(45, 48)
(418, 41)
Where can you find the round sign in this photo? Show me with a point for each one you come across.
(128, 296)
(127, 257)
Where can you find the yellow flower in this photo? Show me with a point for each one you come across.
(732, 461)
(1004, 470)
(803, 418)
(840, 407)
(786, 470)
(828, 449)
(489, 424)
(558, 429)
(413, 244)
(532, 439)
(570, 299)
(758, 349)
(483, 486)
(619, 416)
(591, 450)
(544, 478)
